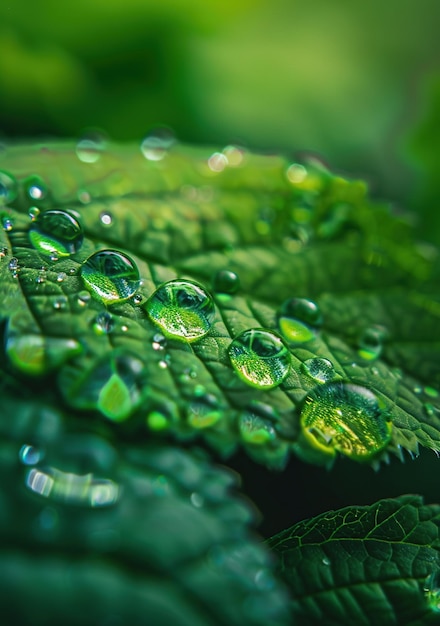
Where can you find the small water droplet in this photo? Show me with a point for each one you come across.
(7, 224)
(225, 281)
(84, 197)
(182, 309)
(56, 234)
(61, 277)
(255, 429)
(8, 188)
(83, 298)
(298, 320)
(90, 147)
(35, 188)
(14, 266)
(110, 276)
(320, 369)
(104, 323)
(157, 421)
(234, 155)
(348, 418)
(60, 303)
(432, 590)
(260, 358)
(3, 252)
(159, 342)
(34, 212)
(217, 162)
(30, 455)
(296, 173)
(370, 343)
(106, 218)
(137, 299)
(197, 500)
(41, 277)
(157, 143)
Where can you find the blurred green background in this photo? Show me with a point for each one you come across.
(356, 82)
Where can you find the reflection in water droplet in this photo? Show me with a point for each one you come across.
(14, 267)
(8, 188)
(83, 298)
(225, 281)
(30, 455)
(260, 358)
(370, 343)
(256, 430)
(432, 590)
(34, 212)
(106, 219)
(35, 188)
(182, 309)
(90, 148)
(110, 276)
(298, 320)
(157, 143)
(56, 234)
(319, 369)
(137, 299)
(347, 418)
(7, 224)
(104, 323)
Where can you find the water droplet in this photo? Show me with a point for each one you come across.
(326, 561)
(298, 320)
(159, 342)
(234, 155)
(255, 429)
(7, 224)
(157, 143)
(432, 590)
(370, 343)
(225, 281)
(124, 328)
(56, 234)
(8, 188)
(157, 421)
(217, 162)
(3, 252)
(14, 266)
(35, 188)
(106, 218)
(204, 412)
(319, 369)
(182, 309)
(83, 298)
(30, 455)
(34, 212)
(90, 148)
(197, 500)
(60, 303)
(110, 276)
(61, 277)
(347, 418)
(163, 364)
(260, 358)
(41, 277)
(137, 299)
(296, 173)
(104, 323)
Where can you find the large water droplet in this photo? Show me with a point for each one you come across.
(298, 320)
(8, 188)
(225, 281)
(182, 309)
(432, 590)
(7, 224)
(347, 418)
(260, 358)
(319, 369)
(56, 234)
(110, 276)
(35, 188)
(157, 143)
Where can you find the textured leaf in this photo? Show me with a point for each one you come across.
(364, 565)
(286, 232)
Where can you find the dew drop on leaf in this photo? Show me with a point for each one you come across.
(370, 343)
(159, 342)
(30, 455)
(8, 188)
(110, 276)
(61, 277)
(35, 188)
(104, 323)
(106, 218)
(255, 429)
(157, 143)
(7, 224)
(34, 212)
(320, 369)
(83, 298)
(56, 234)
(225, 281)
(432, 591)
(90, 147)
(3, 252)
(157, 421)
(298, 320)
(182, 309)
(260, 358)
(347, 418)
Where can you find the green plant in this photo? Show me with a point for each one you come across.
(120, 384)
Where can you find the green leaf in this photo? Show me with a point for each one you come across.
(364, 565)
(287, 230)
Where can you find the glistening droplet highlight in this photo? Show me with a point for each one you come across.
(110, 276)
(298, 320)
(56, 234)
